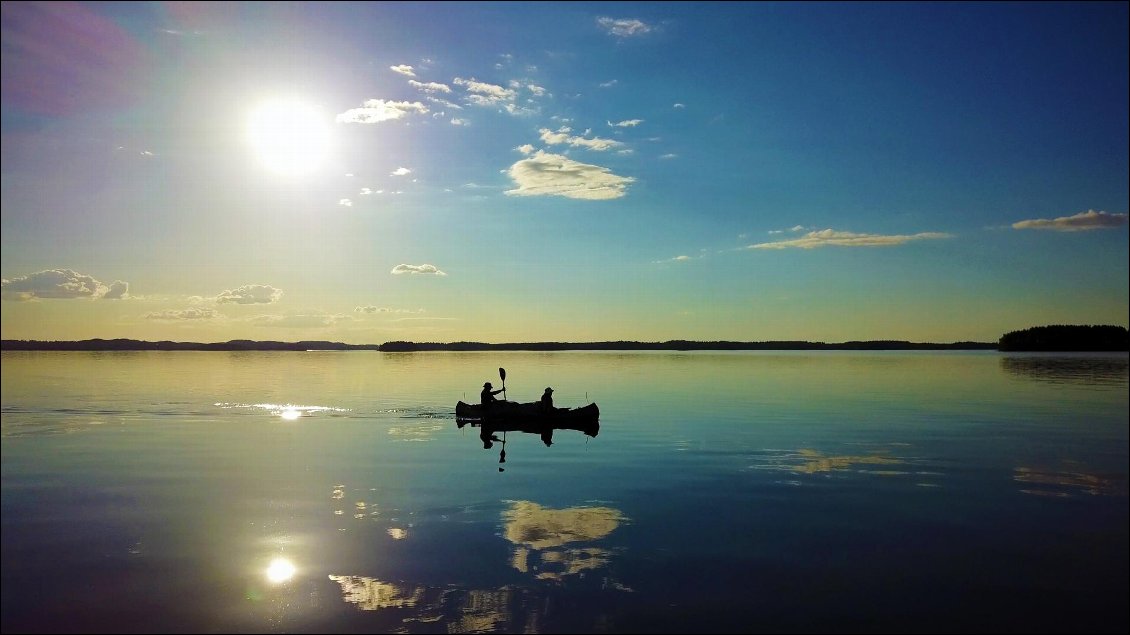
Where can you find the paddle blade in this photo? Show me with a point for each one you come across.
(502, 374)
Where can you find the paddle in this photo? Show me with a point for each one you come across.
(502, 374)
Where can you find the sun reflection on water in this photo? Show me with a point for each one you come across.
(280, 570)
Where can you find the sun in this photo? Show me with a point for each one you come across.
(289, 137)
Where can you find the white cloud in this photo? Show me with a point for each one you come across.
(627, 123)
(365, 191)
(1083, 221)
(60, 284)
(547, 174)
(444, 102)
(403, 69)
(526, 148)
(401, 171)
(669, 155)
(538, 91)
(250, 294)
(298, 320)
(430, 87)
(624, 27)
(678, 105)
(456, 121)
(827, 237)
(797, 228)
(417, 269)
(610, 83)
(345, 202)
(562, 136)
(192, 313)
(490, 93)
(377, 110)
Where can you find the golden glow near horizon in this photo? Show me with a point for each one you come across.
(288, 137)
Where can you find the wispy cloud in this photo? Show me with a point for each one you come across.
(377, 110)
(830, 237)
(430, 87)
(61, 284)
(624, 27)
(610, 83)
(679, 106)
(345, 202)
(424, 269)
(545, 174)
(250, 294)
(1083, 221)
(401, 171)
(456, 121)
(627, 123)
(562, 136)
(681, 258)
(298, 320)
(403, 69)
(192, 313)
(669, 155)
(538, 91)
(382, 309)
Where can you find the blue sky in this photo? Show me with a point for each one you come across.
(562, 171)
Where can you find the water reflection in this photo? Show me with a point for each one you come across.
(545, 428)
(280, 570)
(288, 411)
(1101, 369)
(543, 538)
(508, 610)
(1066, 481)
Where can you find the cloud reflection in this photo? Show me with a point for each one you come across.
(541, 536)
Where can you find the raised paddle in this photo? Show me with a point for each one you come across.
(502, 375)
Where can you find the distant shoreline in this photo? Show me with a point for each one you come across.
(408, 347)
(1054, 338)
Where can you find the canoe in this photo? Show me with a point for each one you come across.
(529, 417)
(510, 410)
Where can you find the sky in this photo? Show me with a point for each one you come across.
(517, 172)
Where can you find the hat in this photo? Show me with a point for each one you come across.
(548, 389)
(486, 385)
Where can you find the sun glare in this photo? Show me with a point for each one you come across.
(288, 137)
(280, 570)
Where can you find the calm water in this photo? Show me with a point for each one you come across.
(725, 492)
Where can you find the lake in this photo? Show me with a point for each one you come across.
(724, 492)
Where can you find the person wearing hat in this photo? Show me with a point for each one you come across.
(547, 401)
(486, 397)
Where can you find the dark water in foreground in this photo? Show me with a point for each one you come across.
(730, 492)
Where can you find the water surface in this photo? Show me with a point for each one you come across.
(725, 492)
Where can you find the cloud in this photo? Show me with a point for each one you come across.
(345, 202)
(538, 91)
(526, 148)
(377, 110)
(827, 237)
(298, 320)
(60, 284)
(403, 69)
(382, 309)
(456, 121)
(417, 269)
(678, 105)
(490, 93)
(610, 83)
(430, 87)
(561, 136)
(444, 102)
(1083, 221)
(627, 123)
(624, 27)
(118, 291)
(401, 171)
(669, 155)
(193, 313)
(250, 294)
(546, 174)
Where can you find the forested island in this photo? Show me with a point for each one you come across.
(1040, 338)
